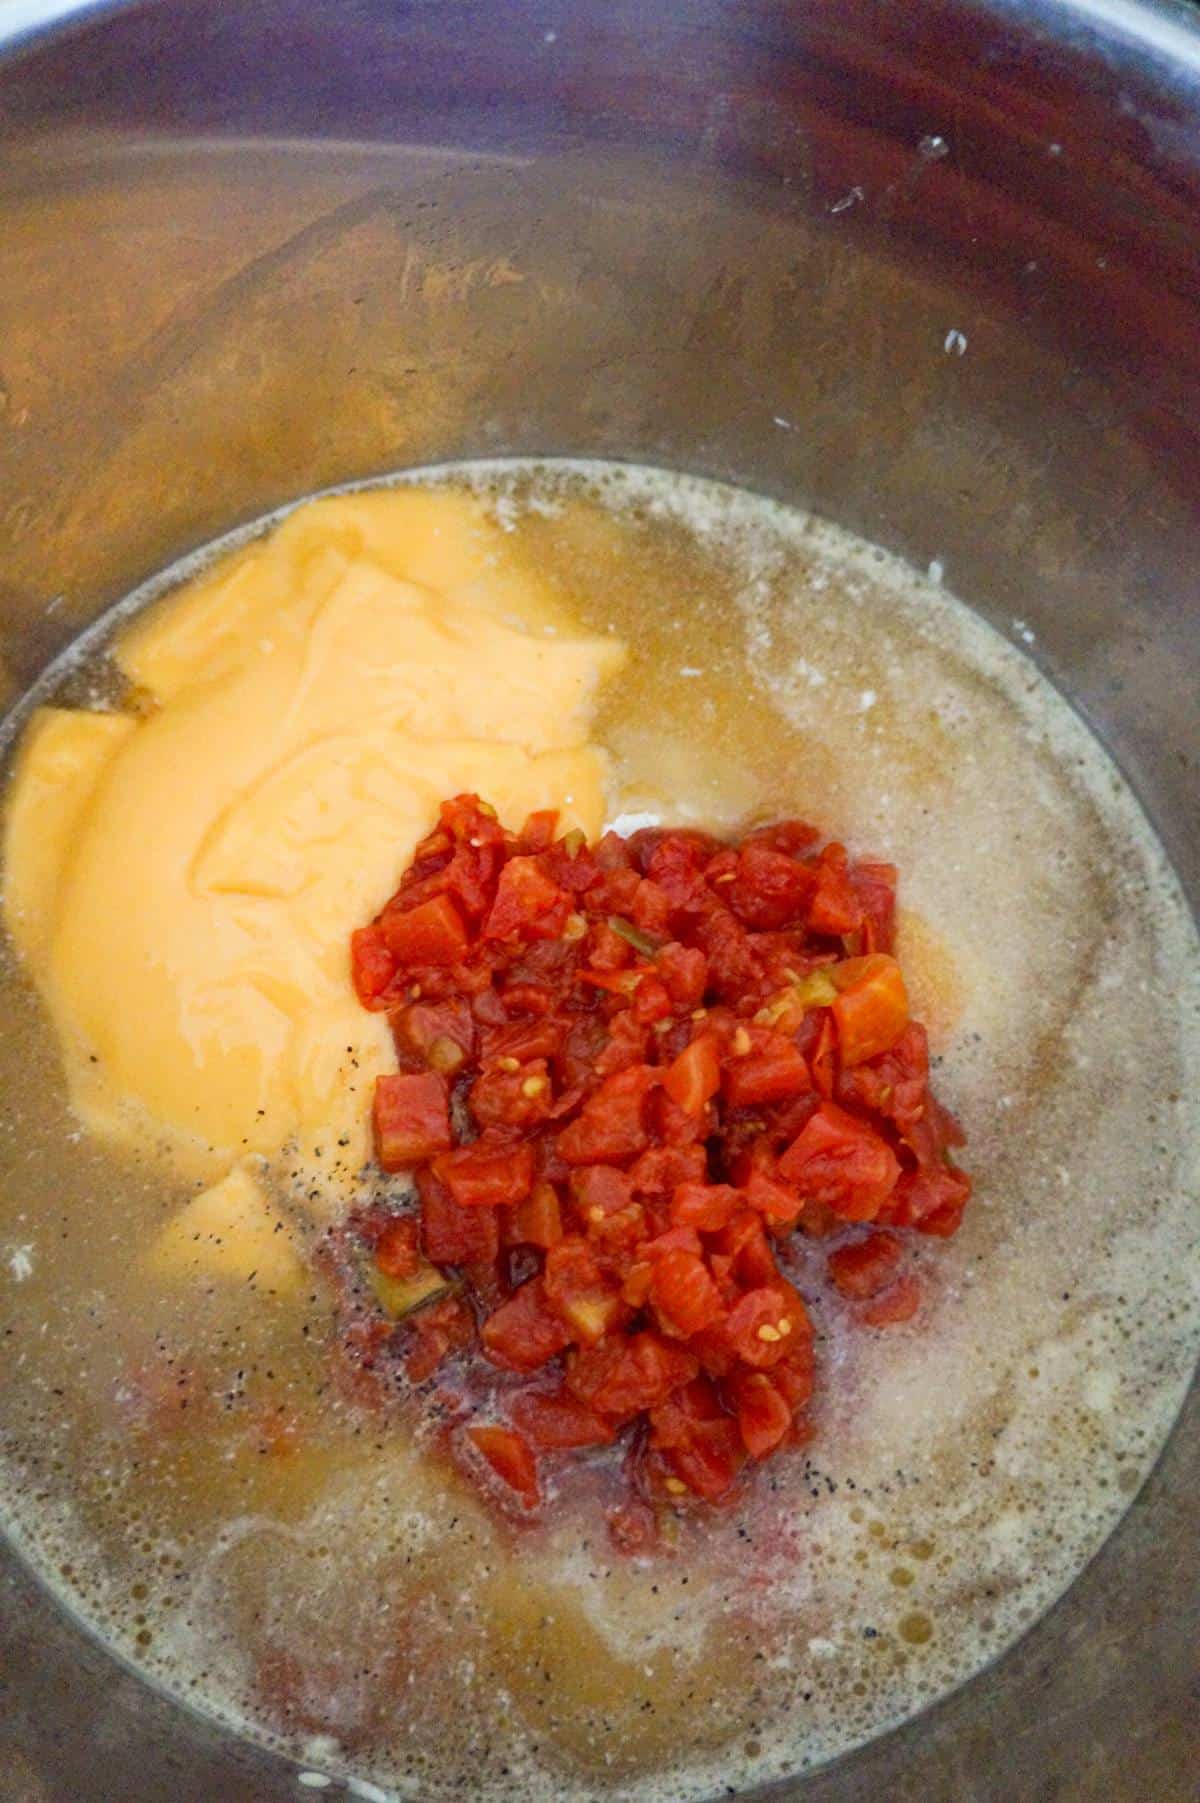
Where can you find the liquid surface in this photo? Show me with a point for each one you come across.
(175, 1457)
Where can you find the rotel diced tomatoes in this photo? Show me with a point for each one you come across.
(871, 1009)
(835, 909)
(623, 1377)
(537, 834)
(432, 933)
(675, 1053)
(510, 1457)
(442, 1034)
(867, 1267)
(707, 1206)
(372, 966)
(412, 1119)
(695, 1076)
(446, 1327)
(479, 1178)
(875, 887)
(661, 1169)
(611, 1127)
(582, 1295)
(841, 1162)
(773, 1200)
(452, 1235)
(558, 1422)
(598, 1190)
(537, 1220)
(683, 1295)
(763, 1416)
(770, 889)
(899, 1302)
(528, 903)
(398, 1250)
(524, 1332)
(684, 970)
(697, 1441)
(770, 1070)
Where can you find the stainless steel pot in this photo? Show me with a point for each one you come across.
(934, 271)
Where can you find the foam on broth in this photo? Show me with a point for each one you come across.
(964, 1467)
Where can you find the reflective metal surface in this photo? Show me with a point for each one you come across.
(934, 271)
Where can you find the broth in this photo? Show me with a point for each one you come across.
(181, 1466)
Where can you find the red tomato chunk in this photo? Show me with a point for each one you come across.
(412, 1120)
(629, 1074)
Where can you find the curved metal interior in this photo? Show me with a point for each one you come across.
(933, 271)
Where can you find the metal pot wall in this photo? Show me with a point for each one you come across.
(933, 271)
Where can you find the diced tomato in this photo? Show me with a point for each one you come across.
(759, 1326)
(893, 1084)
(452, 1235)
(622, 1377)
(522, 1098)
(697, 1441)
(524, 1332)
(706, 1206)
(841, 1162)
(412, 1119)
(822, 1059)
(899, 1302)
(695, 1076)
(867, 1267)
(478, 1177)
(445, 1327)
(432, 933)
(651, 909)
(441, 1034)
(683, 1295)
(600, 1189)
(732, 966)
(774, 1201)
(674, 1239)
(770, 889)
(510, 1458)
(537, 834)
(746, 1245)
(372, 966)
(834, 909)
(684, 970)
(675, 1052)
(791, 836)
(931, 1200)
(580, 1292)
(528, 998)
(763, 1415)
(675, 862)
(537, 1219)
(625, 1048)
(793, 1375)
(651, 1001)
(397, 1250)
(875, 887)
(661, 1169)
(871, 1009)
(770, 1070)
(528, 903)
(610, 1128)
(557, 1422)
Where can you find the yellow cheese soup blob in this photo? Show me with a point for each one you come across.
(183, 885)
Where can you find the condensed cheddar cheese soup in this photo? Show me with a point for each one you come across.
(221, 789)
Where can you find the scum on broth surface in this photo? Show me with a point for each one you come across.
(964, 1468)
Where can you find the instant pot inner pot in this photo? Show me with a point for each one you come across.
(935, 275)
